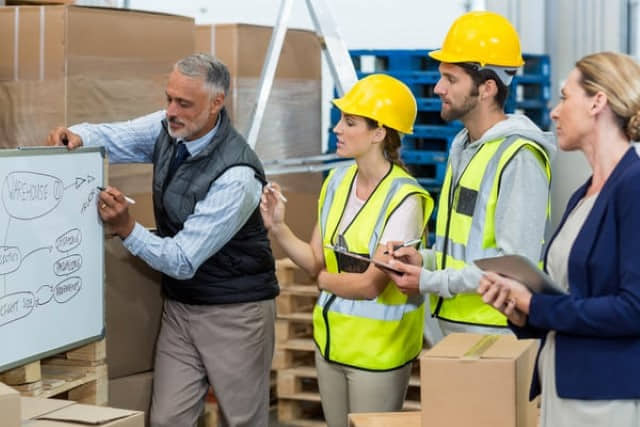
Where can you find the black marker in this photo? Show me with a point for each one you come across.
(128, 199)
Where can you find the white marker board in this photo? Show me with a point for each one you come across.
(51, 252)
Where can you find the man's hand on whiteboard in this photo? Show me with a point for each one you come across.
(114, 211)
(63, 136)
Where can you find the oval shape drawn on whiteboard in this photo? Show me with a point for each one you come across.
(16, 306)
(67, 265)
(44, 294)
(10, 259)
(69, 240)
(67, 289)
(29, 195)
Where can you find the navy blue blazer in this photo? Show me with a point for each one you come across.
(598, 323)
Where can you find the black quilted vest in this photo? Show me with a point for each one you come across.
(243, 269)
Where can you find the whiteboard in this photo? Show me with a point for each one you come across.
(51, 252)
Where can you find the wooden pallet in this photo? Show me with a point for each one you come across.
(294, 353)
(79, 375)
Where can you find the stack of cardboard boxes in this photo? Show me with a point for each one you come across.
(291, 126)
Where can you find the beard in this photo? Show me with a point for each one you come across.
(457, 112)
(189, 127)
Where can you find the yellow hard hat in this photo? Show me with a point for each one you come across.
(382, 98)
(485, 38)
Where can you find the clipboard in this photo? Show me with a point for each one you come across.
(523, 270)
(380, 264)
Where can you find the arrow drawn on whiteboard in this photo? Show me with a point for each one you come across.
(76, 183)
(49, 248)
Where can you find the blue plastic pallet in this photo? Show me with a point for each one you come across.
(388, 60)
(536, 64)
(427, 174)
(423, 157)
(440, 145)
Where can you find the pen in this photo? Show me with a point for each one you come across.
(279, 194)
(405, 244)
(128, 199)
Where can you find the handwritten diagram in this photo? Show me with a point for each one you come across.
(50, 253)
(30, 195)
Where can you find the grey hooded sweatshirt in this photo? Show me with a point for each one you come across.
(520, 211)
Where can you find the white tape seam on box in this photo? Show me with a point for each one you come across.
(42, 21)
(16, 28)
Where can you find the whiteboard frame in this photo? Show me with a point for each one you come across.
(40, 151)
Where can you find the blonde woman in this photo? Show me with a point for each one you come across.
(587, 366)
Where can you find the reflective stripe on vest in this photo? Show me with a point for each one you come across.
(465, 227)
(386, 332)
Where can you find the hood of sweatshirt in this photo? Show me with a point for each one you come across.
(515, 124)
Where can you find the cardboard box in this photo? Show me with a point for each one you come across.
(132, 392)
(302, 192)
(135, 180)
(61, 65)
(479, 380)
(386, 419)
(291, 126)
(38, 412)
(9, 406)
(37, 2)
(133, 311)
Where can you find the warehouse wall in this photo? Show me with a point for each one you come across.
(576, 28)
(529, 19)
(566, 30)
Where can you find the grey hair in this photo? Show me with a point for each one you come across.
(207, 67)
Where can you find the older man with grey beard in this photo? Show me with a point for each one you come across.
(211, 246)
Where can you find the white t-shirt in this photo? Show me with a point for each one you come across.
(404, 224)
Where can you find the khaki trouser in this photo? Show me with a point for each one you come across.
(229, 346)
(345, 390)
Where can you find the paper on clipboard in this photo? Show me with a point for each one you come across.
(523, 270)
(382, 265)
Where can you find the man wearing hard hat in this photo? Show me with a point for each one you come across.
(495, 196)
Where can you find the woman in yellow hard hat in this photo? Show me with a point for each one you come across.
(366, 331)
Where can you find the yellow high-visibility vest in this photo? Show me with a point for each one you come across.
(465, 225)
(379, 334)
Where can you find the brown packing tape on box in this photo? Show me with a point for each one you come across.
(386, 419)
